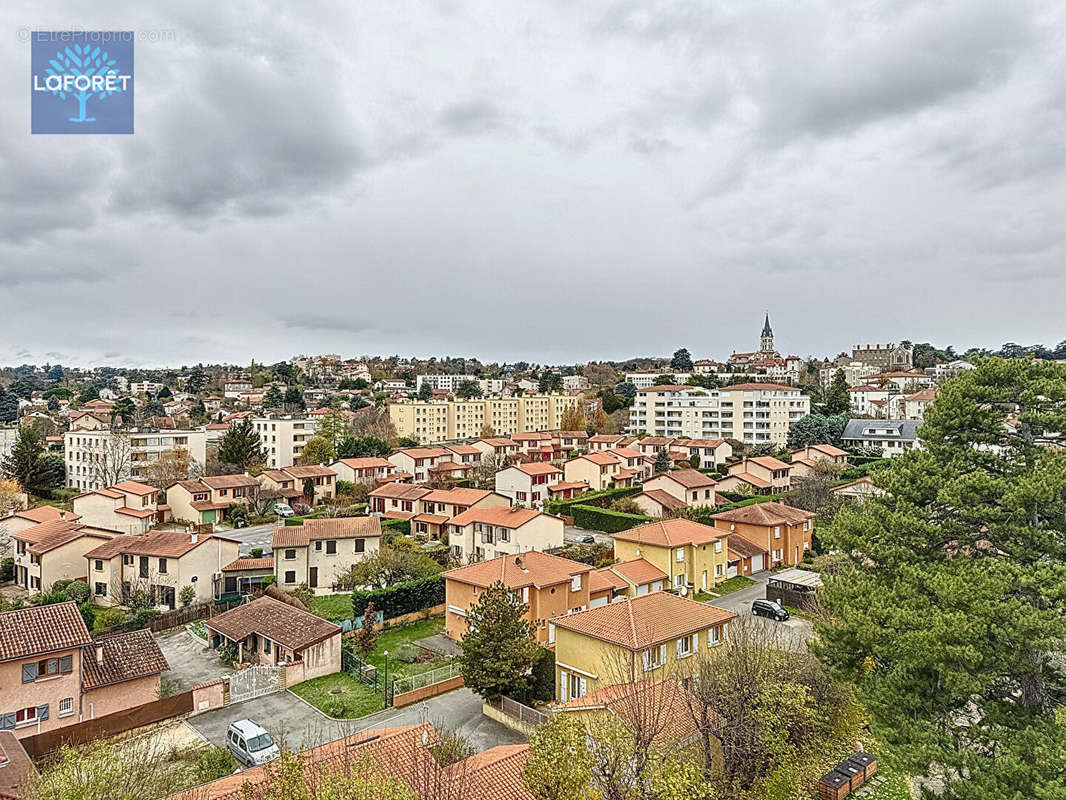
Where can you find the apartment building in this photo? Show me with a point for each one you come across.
(650, 636)
(452, 420)
(527, 483)
(548, 585)
(693, 556)
(54, 674)
(780, 530)
(126, 507)
(753, 413)
(884, 356)
(97, 458)
(161, 563)
(283, 438)
(320, 551)
(484, 533)
(645, 380)
(52, 551)
(450, 383)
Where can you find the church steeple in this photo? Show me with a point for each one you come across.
(766, 340)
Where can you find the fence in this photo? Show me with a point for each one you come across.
(423, 679)
(42, 744)
(183, 616)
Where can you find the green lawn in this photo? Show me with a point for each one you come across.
(892, 786)
(734, 584)
(332, 606)
(394, 640)
(340, 696)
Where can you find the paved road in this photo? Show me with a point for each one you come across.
(254, 536)
(297, 724)
(795, 631)
(571, 534)
(190, 663)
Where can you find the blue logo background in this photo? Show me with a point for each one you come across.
(77, 82)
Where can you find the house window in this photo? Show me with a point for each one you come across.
(714, 637)
(575, 583)
(654, 657)
(162, 566)
(719, 571)
(679, 580)
(127, 560)
(266, 645)
(26, 716)
(290, 576)
(318, 546)
(578, 686)
(290, 555)
(98, 565)
(679, 554)
(360, 545)
(331, 548)
(66, 706)
(718, 546)
(777, 532)
(778, 555)
(100, 589)
(686, 645)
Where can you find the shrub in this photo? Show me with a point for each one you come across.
(78, 591)
(227, 654)
(187, 595)
(303, 593)
(108, 618)
(269, 580)
(601, 499)
(601, 519)
(345, 487)
(407, 653)
(7, 570)
(256, 552)
(401, 598)
(212, 762)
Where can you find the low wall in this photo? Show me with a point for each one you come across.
(426, 692)
(414, 616)
(507, 720)
(294, 674)
(207, 696)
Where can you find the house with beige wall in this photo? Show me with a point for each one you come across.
(362, 470)
(437, 507)
(780, 530)
(205, 501)
(323, 478)
(527, 483)
(600, 470)
(27, 518)
(805, 461)
(397, 500)
(695, 557)
(54, 674)
(161, 563)
(126, 507)
(497, 448)
(608, 441)
(484, 533)
(319, 552)
(417, 461)
(655, 635)
(712, 453)
(690, 486)
(640, 576)
(53, 551)
(759, 475)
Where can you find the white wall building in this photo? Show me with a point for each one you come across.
(283, 438)
(96, 459)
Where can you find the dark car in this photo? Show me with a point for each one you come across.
(587, 539)
(769, 608)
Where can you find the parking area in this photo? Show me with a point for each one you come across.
(190, 663)
(796, 631)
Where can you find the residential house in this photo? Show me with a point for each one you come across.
(527, 482)
(566, 443)
(690, 486)
(859, 490)
(161, 563)
(496, 448)
(868, 400)
(55, 675)
(609, 441)
(657, 503)
(914, 405)
(280, 482)
(27, 518)
(651, 445)
(418, 460)
(535, 445)
(761, 474)
(53, 551)
(369, 469)
(126, 507)
(712, 453)
(782, 531)
(323, 478)
(465, 455)
(641, 465)
(746, 557)
(806, 460)
(662, 707)
(649, 636)
(437, 507)
(319, 552)
(640, 576)
(548, 585)
(564, 490)
(90, 421)
(17, 772)
(483, 533)
(245, 575)
(269, 632)
(396, 500)
(600, 470)
(693, 556)
(890, 437)
(205, 501)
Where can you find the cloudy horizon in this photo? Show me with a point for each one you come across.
(555, 182)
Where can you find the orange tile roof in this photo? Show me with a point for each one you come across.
(310, 471)
(46, 514)
(449, 466)
(241, 564)
(400, 491)
(538, 468)
(126, 657)
(747, 477)
(663, 498)
(772, 513)
(495, 774)
(689, 478)
(562, 486)
(638, 571)
(37, 630)
(134, 487)
(604, 438)
(140, 513)
(739, 547)
(700, 443)
(769, 462)
(325, 528)
(507, 516)
(463, 449)
(602, 458)
(637, 623)
(425, 452)
(603, 579)
(459, 496)
(432, 519)
(166, 544)
(670, 533)
(365, 463)
(278, 621)
(228, 481)
(497, 442)
(663, 708)
(532, 568)
(46, 536)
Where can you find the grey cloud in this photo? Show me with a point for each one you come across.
(470, 118)
(314, 321)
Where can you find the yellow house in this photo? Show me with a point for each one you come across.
(653, 636)
(694, 556)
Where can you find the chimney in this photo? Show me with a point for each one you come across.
(194, 537)
(62, 515)
(99, 654)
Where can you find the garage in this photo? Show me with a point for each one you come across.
(756, 563)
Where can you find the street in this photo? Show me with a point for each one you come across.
(795, 632)
(254, 536)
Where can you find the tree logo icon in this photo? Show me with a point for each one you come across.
(82, 82)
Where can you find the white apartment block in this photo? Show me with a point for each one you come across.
(145, 387)
(283, 438)
(645, 380)
(753, 413)
(449, 383)
(96, 459)
(454, 420)
(573, 383)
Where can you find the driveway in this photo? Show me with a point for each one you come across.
(299, 725)
(571, 534)
(254, 536)
(796, 631)
(190, 663)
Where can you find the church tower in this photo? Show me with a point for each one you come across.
(766, 341)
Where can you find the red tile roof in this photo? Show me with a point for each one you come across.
(46, 536)
(47, 514)
(538, 468)
(663, 498)
(766, 514)
(670, 533)
(229, 481)
(369, 462)
(16, 768)
(278, 621)
(126, 657)
(325, 528)
(637, 623)
(527, 569)
(400, 491)
(458, 496)
(38, 630)
(662, 708)
(507, 516)
(310, 471)
(689, 478)
(241, 564)
(134, 487)
(638, 571)
(739, 547)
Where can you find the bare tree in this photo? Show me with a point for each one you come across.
(172, 466)
(110, 463)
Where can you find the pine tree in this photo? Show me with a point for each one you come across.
(31, 466)
(682, 361)
(240, 446)
(948, 608)
(273, 398)
(196, 381)
(9, 406)
(498, 648)
(662, 461)
(837, 399)
(366, 638)
(294, 399)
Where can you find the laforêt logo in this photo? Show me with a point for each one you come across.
(82, 82)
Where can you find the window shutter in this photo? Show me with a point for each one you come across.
(563, 683)
(647, 659)
(29, 672)
(7, 721)
(695, 642)
(677, 646)
(42, 712)
(584, 686)
(66, 664)
(662, 654)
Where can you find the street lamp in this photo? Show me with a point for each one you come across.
(385, 685)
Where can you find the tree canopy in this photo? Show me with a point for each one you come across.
(240, 446)
(498, 649)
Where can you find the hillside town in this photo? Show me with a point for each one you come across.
(333, 556)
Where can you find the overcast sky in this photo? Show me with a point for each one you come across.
(543, 181)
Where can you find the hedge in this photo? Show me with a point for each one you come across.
(397, 526)
(401, 598)
(601, 499)
(737, 497)
(603, 519)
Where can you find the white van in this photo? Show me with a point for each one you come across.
(250, 743)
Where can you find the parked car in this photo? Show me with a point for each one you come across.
(588, 538)
(769, 608)
(284, 510)
(250, 743)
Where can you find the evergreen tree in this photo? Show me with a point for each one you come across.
(273, 398)
(123, 411)
(240, 446)
(309, 490)
(837, 399)
(425, 391)
(498, 648)
(468, 389)
(53, 403)
(9, 406)
(682, 361)
(948, 606)
(165, 393)
(55, 373)
(550, 382)
(197, 380)
(29, 464)
(662, 461)
(294, 399)
(88, 394)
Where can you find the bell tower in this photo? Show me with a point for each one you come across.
(766, 340)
